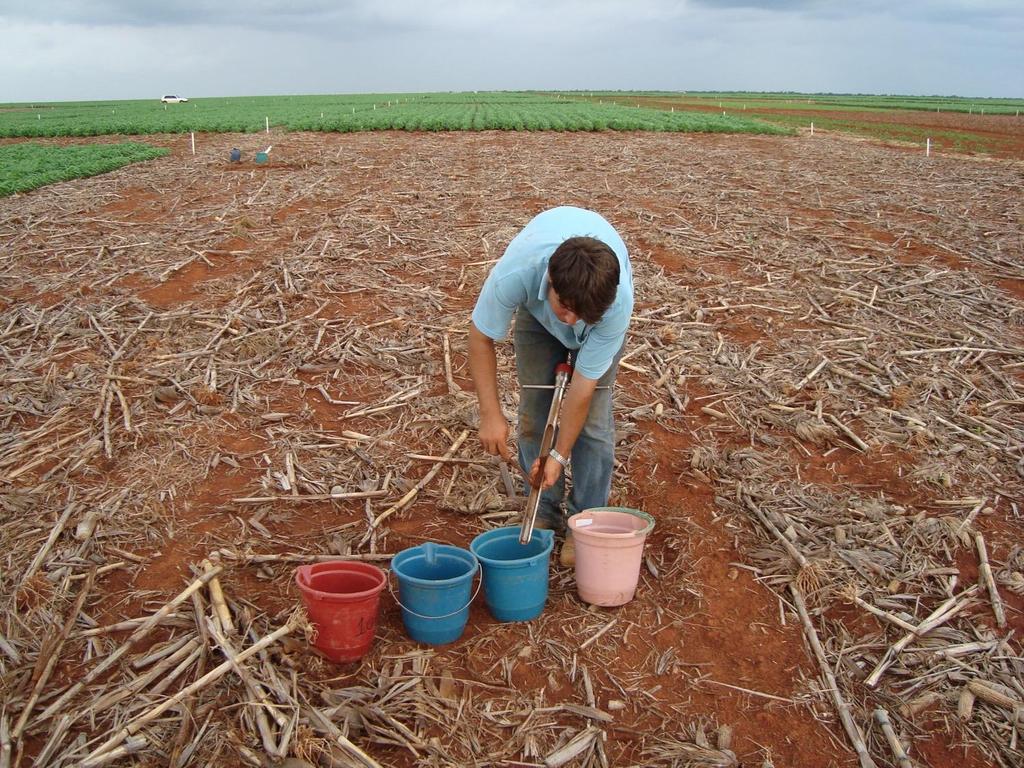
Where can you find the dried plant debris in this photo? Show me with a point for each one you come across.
(211, 375)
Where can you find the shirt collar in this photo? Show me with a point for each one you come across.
(542, 295)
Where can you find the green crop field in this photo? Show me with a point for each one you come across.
(368, 112)
(27, 166)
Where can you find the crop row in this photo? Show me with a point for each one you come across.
(420, 112)
(28, 166)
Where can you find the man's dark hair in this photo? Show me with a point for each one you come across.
(585, 274)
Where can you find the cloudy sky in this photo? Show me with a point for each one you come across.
(54, 50)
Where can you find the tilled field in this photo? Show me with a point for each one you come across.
(213, 373)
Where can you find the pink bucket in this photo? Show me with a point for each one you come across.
(609, 551)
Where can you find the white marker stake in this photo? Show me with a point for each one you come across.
(927, 147)
(812, 129)
(193, 143)
(268, 123)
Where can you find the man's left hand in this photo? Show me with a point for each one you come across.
(552, 471)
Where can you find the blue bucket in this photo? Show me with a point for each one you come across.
(515, 575)
(434, 584)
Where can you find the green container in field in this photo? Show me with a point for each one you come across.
(261, 157)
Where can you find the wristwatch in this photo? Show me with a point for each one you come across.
(558, 457)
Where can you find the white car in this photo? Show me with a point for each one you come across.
(173, 99)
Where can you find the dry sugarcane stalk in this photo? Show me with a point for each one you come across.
(882, 718)
(287, 733)
(861, 445)
(180, 660)
(920, 704)
(166, 650)
(576, 746)
(807, 379)
(882, 614)
(216, 673)
(5, 740)
(323, 723)
(58, 528)
(219, 605)
(790, 548)
(401, 503)
(87, 525)
(122, 626)
(130, 747)
(454, 460)
(255, 687)
(987, 693)
(985, 571)
(167, 680)
(972, 514)
(57, 733)
(852, 730)
(940, 615)
(137, 635)
(449, 379)
(312, 497)
(54, 655)
(751, 691)
(965, 704)
(593, 638)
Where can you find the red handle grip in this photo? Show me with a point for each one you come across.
(563, 368)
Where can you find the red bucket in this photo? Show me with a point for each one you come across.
(343, 601)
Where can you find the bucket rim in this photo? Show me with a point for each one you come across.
(449, 550)
(649, 518)
(495, 534)
(351, 566)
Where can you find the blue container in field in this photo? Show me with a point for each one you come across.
(434, 591)
(515, 575)
(235, 155)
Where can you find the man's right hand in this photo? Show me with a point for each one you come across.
(494, 436)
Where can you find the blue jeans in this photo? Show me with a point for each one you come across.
(593, 455)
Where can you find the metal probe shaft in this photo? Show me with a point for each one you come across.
(562, 373)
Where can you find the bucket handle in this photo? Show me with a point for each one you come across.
(401, 605)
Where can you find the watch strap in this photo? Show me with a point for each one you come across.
(558, 457)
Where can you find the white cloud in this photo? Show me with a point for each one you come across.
(68, 49)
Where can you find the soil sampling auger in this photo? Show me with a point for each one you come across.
(563, 372)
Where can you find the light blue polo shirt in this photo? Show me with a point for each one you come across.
(520, 279)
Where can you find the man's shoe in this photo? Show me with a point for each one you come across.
(567, 557)
(549, 520)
